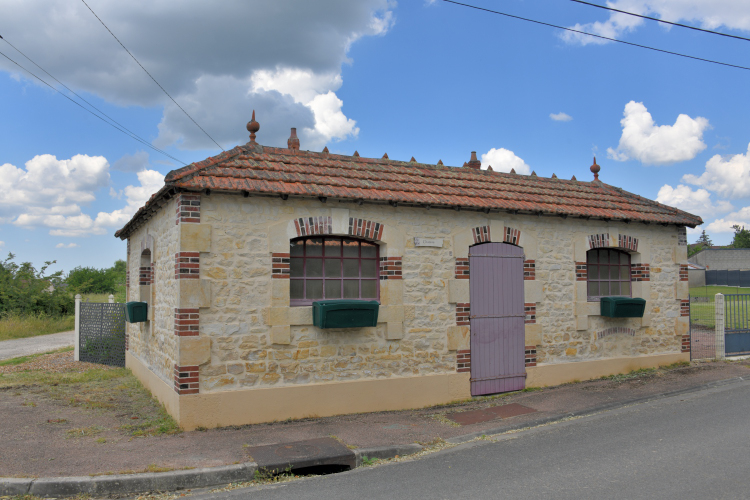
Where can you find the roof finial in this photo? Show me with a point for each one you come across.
(385, 156)
(356, 154)
(489, 168)
(512, 170)
(473, 162)
(595, 168)
(553, 176)
(412, 159)
(252, 127)
(293, 141)
(440, 162)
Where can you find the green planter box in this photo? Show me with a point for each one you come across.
(136, 312)
(345, 313)
(622, 307)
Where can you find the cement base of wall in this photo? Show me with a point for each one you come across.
(561, 373)
(253, 406)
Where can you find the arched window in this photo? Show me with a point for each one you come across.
(333, 267)
(608, 273)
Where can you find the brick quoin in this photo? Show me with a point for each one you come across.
(186, 379)
(365, 228)
(530, 355)
(512, 236)
(188, 208)
(640, 272)
(391, 268)
(686, 343)
(530, 310)
(481, 234)
(462, 313)
(582, 271)
(186, 322)
(529, 270)
(280, 265)
(463, 360)
(683, 272)
(685, 307)
(187, 265)
(145, 275)
(462, 269)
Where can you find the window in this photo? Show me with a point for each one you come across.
(608, 273)
(333, 267)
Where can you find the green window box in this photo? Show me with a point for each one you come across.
(136, 312)
(622, 307)
(345, 313)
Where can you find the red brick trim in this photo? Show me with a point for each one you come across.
(391, 268)
(280, 265)
(685, 343)
(186, 322)
(683, 272)
(613, 330)
(684, 307)
(307, 226)
(365, 228)
(530, 355)
(187, 265)
(186, 379)
(530, 309)
(598, 240)
(529, 270)
(463, 360)
(481, 234)
(640, 272)
(462, 313)
(581, 271)
(512, 236)
(682, 236)
(462, 269)
(127, 273)
(627, 242)
(145, 275)
(188, 208)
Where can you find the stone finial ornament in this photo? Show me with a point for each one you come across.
(440, 162)
(385, 156)
(356, 154)
(293, 141)
(325, 150)
(595, 169)
(413, 160)
(554, 176)
(253, 127)
(512, 170)
(489, 167)
(573, 178)
(533, 174)
(473, 162)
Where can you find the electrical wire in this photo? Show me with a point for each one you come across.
(129, 132)
(149, 74)
(597, 36)
(89, 111)
(661, 20)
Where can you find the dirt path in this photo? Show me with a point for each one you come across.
(33, 345)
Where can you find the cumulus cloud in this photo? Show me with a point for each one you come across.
(709, 15)
(560, 117)
(729, 176)
(69, 245)
(696, 202)
(503, 160)
(217, 78)
(653, 144)
(724, 224)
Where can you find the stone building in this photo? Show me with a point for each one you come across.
(486, 282)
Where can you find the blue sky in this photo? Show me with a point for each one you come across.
(418, 78)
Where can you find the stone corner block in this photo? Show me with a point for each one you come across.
(391, 314)
(281, 334)
(340, 220)
(529, 244)
(279, 236)
(392, 292)
(458, 291)
(461, 243)
(194, 351)
(144, 293)
(680, 254)
(532, 291)
(279, 316)
(279, 293)
(681, 290)
(458, 338)
(395, 241)
(582, 323)
(195, 237)
(300, 316)
(588, 308)
(194, 293)
(533, 334)
(497, 231)
(394, 330)
(646, 319)
(580, 247)
(681, 326)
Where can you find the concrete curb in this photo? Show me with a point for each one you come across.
(214, 476)
(128, 483)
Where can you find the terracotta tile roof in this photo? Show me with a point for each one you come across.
(280, 171)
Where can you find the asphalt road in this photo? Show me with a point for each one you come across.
(689, 446)
(32, 345)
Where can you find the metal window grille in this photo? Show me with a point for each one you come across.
(102, 333)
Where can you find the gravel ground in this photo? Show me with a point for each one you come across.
(54, 363)
(34, 345)
(43, 436)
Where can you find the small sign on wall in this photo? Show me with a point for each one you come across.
(428, 242)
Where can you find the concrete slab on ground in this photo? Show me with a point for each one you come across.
(34, 345)
(302, 454)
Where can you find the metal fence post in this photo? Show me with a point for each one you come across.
(77, 351)
(111, 299)
(719, 326)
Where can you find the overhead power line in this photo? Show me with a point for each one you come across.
(149, 74)
(120, 125)
(661, 20)
(89, 111)
(596, 36)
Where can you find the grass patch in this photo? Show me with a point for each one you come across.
(17, 326)
(710, 291)
(84, 431)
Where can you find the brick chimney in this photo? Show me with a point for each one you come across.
(474, 163)
(293, 141)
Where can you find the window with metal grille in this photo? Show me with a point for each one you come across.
(608, 273)
(333, 267)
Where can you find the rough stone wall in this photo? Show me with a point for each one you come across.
(722, 259)
(154, 342)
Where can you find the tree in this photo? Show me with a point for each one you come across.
(92, 280)
(26, 290)
(741, 237)
(704, 240)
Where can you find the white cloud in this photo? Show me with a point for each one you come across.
(696, 202)
(132, 163)
(652, 144)
(560, 117)
(731, 14)
(2, 244)
(729, 176)
(724, 225)
(295, 48)
(69, 245)
(503, 160)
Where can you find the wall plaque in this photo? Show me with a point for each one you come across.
(428, 242)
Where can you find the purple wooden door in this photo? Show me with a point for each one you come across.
(497, 318)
